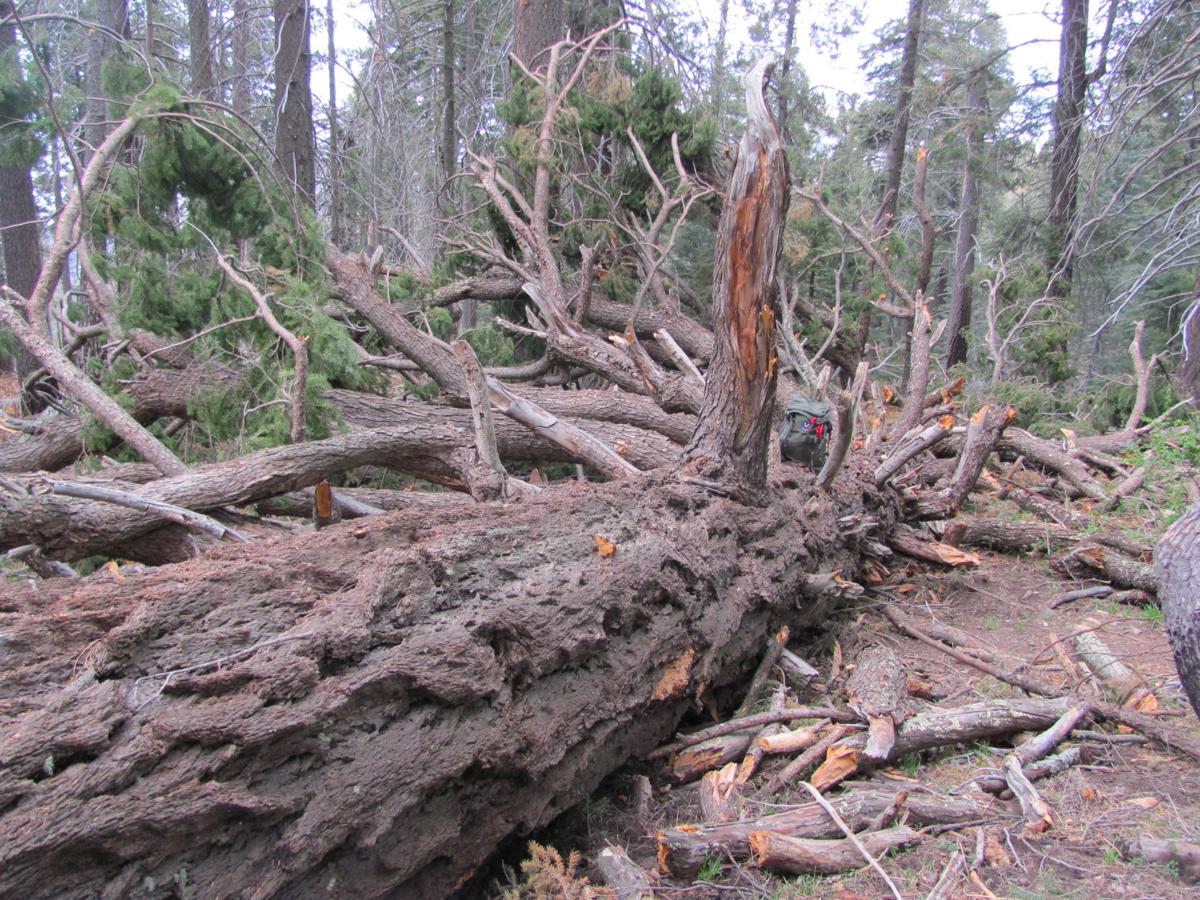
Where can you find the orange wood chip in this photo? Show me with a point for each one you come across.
(605, 547)
(675, 678)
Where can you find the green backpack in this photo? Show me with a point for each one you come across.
(804, 434)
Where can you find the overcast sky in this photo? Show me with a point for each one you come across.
(1030, 25)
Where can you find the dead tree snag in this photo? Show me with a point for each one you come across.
(730, 443)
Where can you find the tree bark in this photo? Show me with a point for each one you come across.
(959, 319)
(1064, 154)
(730, 443)
(200, 50)
(375, 705)
(335, 137)
(113, 18)
(537, 25)
(19, 230)
(1177, 563)
(294, 139)
(899, 137)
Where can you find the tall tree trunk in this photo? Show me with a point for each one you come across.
(19, 231)
(719, 54)
(785, 68)
(294, 139)
(730, 443)
(240, 75)
(959, 314)
(899, 138)
(200, 50)
(335, 139)
(1064, 157)
(113, 15)
(537, 25)
(449, 148)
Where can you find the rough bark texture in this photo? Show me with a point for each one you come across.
(537, 24)
(18, 212)
(1177, 563)
(200, 49)
(903, 110)
(294, 139)
(395, 696)
(958, 323)
(1064, 155)
(731, 439)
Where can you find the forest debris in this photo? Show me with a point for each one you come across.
(626, 879)
(763, 672)
(754, 721)
(858, 843)
(1114, 567)
(682, 850)
(840, 763)
(754, 755)
(1125, 684)
(1021, 681)
(877, 688)
(692, 762)
(791, 741)
(719, 794)
(1037, 812)
(946, 887)
(906, 541)
(1043, 768)
(1184, 854)
(806, 760)
(797, 669)
(799, 856)
(1099, 590)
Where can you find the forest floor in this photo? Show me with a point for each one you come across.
(1127, 791)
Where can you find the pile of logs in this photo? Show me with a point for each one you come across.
(835, 754)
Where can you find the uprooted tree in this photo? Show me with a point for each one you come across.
(371, 709)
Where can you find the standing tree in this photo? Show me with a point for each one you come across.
(295, 142)
(19, 151)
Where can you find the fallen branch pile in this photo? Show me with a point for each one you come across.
(824, 745)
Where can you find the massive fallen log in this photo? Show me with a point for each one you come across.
(375, 706)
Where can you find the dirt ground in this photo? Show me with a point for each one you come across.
(1127, 790)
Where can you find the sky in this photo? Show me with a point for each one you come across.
(1030, 24)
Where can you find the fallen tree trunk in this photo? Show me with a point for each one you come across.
(382, 702)
(413, 438)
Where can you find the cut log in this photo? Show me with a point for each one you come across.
(1125, 685)
(358, 702)
(682, 850)
(799, 856)
(1038, 816)
(1114, 567)
(877, 688)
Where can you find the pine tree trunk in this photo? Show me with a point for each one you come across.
(294, 140)
(959, 318)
